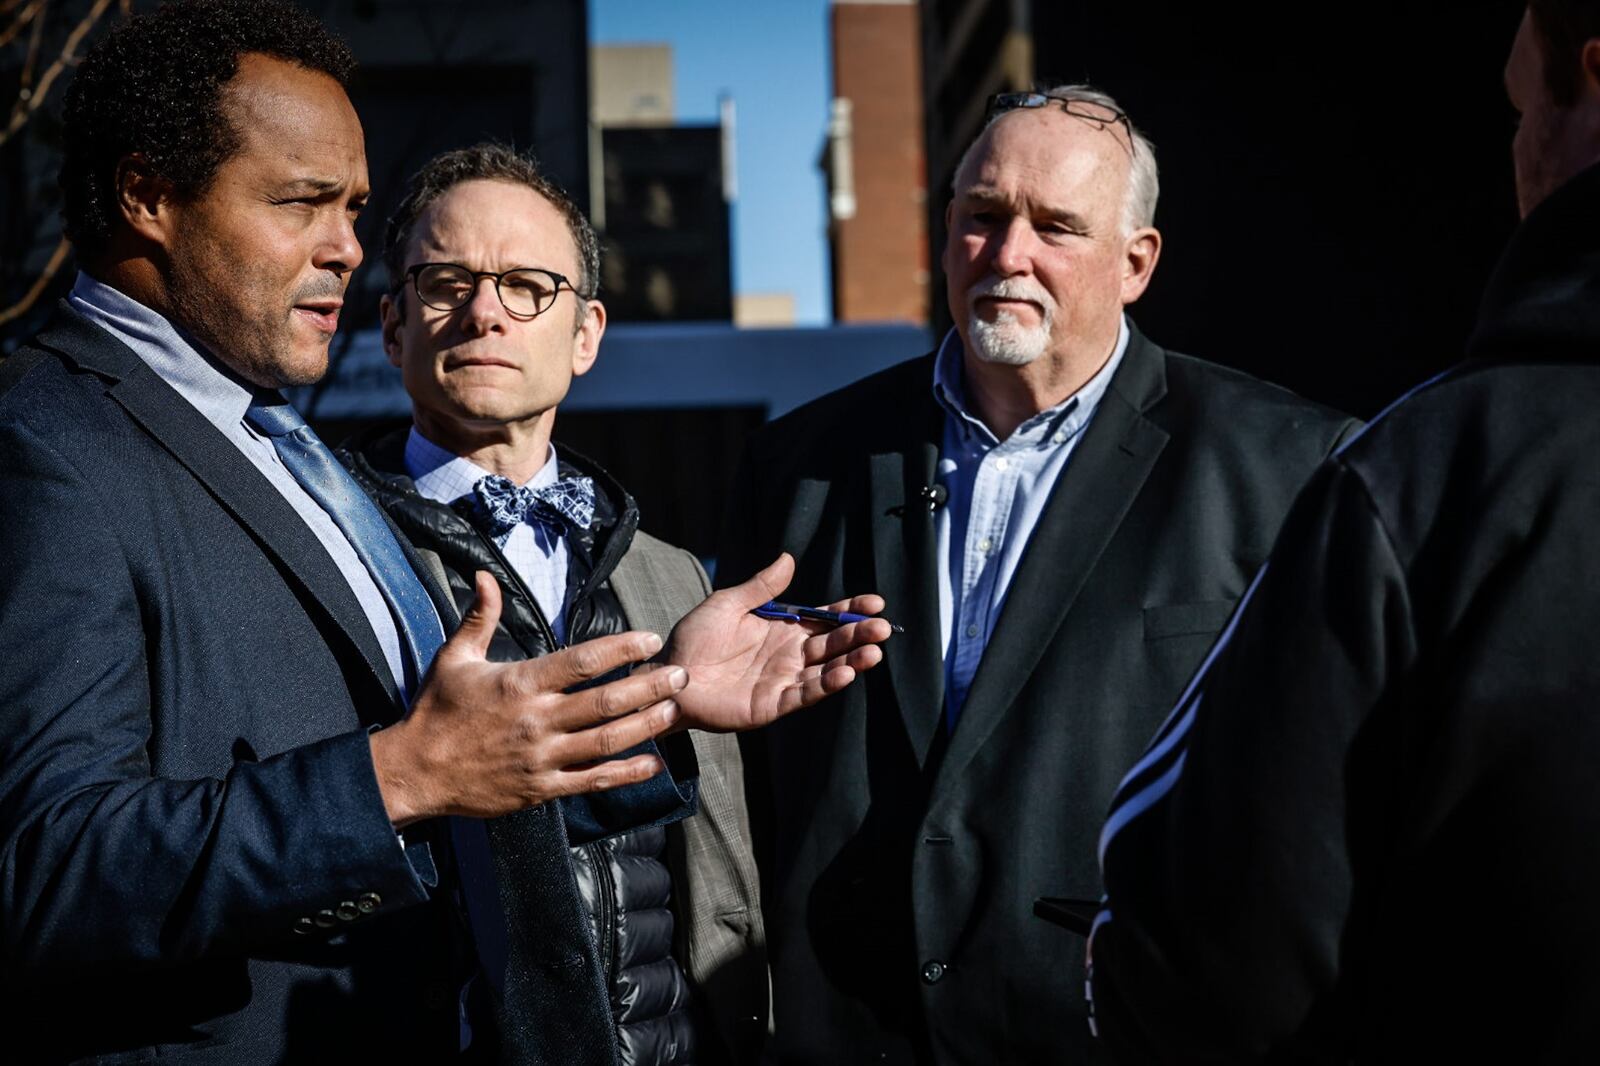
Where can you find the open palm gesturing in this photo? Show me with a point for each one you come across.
(746, 671)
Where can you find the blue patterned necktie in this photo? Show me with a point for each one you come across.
(320, 474)
(565, 506)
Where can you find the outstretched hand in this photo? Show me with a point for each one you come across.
(484, 738)
(746, 671)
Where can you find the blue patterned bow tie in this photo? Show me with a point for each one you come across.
(568, 503)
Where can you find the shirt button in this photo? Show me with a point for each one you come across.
(932, 972)
(1059, 438)
(368, 902)
(1002, 463)
(304, 926)
(972, 631)
(985, 544)
(325, 920)
(347, 911)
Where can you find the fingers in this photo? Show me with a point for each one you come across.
(471, 639)
(608, 775)
(838, 673)
(863, 659)
(603, 703)
(583, 662)
(867, 604)
(814, 687)
(818, 682)
(836, 642)
(766, 585)
(611, 739)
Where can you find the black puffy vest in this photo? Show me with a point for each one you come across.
(622, 881)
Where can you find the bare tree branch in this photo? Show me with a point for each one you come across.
(9, 34)
(25, 108)
(24, 305)
(25, 81)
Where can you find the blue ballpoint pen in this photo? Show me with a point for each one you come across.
(788, 612)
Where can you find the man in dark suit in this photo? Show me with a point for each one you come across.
(204, 620)
(1367, 832)
(1061, 515)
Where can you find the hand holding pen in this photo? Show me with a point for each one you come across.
(747, 667)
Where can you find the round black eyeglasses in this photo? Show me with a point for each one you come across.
(525, 292)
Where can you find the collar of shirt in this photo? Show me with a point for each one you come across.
(1052, 426)
(445, 477)
(176, 358)
(536, 552)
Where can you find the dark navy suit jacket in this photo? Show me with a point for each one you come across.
(186, 682)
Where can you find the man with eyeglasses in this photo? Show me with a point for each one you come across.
(1061, 514)
(492, 311)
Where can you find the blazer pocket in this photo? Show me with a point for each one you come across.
(1186, 619)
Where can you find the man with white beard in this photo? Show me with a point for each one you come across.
(1061, 515)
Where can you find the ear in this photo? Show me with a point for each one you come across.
(145, 199)
(389, 311)
(1589, 59)
(586, 342)
(1139, 258)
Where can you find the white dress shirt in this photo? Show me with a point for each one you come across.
(535, 550)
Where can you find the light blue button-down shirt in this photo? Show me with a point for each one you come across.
(223, 401)
(998, 489)
(536, 552)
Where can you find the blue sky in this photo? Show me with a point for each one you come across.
(772, 56)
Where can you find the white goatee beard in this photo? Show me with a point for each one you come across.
(1007, 341)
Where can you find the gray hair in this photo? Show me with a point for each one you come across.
(1144, 182)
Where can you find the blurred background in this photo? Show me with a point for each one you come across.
(770, 178)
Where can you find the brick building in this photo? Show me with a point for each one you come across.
(875, 165)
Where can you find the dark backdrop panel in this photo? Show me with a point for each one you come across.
(678, 463)
(411, 114)
(1336, 179)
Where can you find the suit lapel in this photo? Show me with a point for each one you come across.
(1101, 480)
(236, 484)
(905, 555)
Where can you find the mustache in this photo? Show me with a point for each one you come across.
(1009, 289)
(327, 286)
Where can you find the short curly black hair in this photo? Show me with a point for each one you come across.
(153, 87)
(486, 161)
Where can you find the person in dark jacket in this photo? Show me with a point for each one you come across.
(1366, 834)
(1061, 513)
(644, 947)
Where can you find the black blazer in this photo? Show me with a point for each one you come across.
(185, 780)
(1380, 844)
(900, 866)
